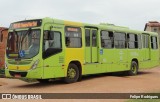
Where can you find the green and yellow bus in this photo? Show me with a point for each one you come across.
(47, 48)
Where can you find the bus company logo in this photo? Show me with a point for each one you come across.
(6, 96)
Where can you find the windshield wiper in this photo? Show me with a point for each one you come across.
(17, 41)
(28, 32)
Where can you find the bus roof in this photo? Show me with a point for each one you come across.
(102, 26)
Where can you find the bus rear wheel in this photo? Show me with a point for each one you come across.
(72, 74)
(134, 68)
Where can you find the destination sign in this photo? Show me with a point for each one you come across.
(73, 32)
(72, 29)
(25, 24)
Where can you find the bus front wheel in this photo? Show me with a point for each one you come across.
(134, 68)
(72, 74)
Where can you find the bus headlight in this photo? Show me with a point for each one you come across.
(35, 64)
(6, 66)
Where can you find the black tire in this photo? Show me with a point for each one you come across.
(43, 80)
(72, 74)
(133, 69)
(80, 77)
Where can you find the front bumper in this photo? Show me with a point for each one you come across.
(31, 74)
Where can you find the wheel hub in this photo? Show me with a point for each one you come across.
(71, 73)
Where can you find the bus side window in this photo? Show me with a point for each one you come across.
(107, 39)
(154, 44)
(94, 38)
(52, 40)
(48, 39)
(52, 43)
(132, 40)
(73, 37)
(87, 37)
(139, 42)
(145, 40)
(112, 39)
(120, 40)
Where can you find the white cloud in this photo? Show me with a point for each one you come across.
(131, 13)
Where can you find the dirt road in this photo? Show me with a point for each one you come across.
(146, 81)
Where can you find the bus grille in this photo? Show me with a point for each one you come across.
(22, 74)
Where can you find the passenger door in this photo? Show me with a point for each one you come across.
(91, 55)
(91, 51)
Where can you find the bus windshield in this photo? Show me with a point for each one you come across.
(23, 44)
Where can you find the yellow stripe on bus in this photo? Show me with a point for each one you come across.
(13, 55)
(13, 67)
(72, 23)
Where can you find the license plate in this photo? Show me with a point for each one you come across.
(17, 76)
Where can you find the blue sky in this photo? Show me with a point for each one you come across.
(131, 13)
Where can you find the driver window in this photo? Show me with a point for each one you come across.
(52, 40)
